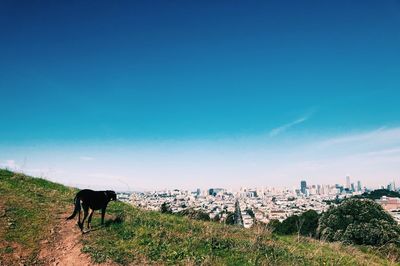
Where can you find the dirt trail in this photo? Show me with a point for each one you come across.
(64, 246)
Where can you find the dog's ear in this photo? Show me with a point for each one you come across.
(113, 195)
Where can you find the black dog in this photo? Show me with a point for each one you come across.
(95, 200)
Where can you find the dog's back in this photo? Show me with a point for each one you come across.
(94, 200)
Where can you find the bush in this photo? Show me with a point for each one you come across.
(310, 223)
(196, 215)
(289, 226)
(217, 218)
(230, 218)
(250, 212)
(306, 224)
(273, 225)
(358, 221)
(379, 193)
(165, 208)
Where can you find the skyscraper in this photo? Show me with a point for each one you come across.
(303, 186)
(359, 188)
(391, 186)
(348, 182)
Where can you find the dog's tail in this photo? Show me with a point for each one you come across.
(76, 209)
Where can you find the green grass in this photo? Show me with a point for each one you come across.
(153, 237)
(28, 208)
(133, 236)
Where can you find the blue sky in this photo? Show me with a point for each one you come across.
(172, 88)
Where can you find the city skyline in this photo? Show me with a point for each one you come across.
(226, 163)
(349, 184)
(199, 94)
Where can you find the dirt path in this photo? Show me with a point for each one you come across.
(64, 246)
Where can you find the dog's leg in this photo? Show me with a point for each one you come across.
(85, 215)
(90, 219)
(103, 212)
(79, 220)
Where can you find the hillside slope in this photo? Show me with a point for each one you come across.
(33, 230)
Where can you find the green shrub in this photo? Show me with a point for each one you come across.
(305, 224)
(379, 193)
(230, 218)
(166, 208)
(358, 221)
(196, 215)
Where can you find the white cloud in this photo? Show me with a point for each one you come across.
(281, 129)
(384, 152)
(378, 142)
(86, 158)
(381, 134)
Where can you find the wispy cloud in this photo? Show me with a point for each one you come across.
(385, 152)
(86, 158)
(378, 136)
(285, 127)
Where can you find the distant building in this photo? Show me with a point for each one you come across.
(359, 187)
(389, 203)
(214, 191)
(251, 193)
(339, 188)
(123, 196)
(348, 182)
(303, 186)
(391, 186)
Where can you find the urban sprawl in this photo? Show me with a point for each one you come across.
(257, 204)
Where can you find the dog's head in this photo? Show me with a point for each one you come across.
(112, 195)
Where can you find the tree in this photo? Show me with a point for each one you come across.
(195, 214)
(273, 225)
(310, 224)
(165, 208)
(217, 218)
(230, 218)
(250, 212)
(305, 224)
(358, 221)
(379, 193)
(288, 226)
(299, 225)
(202, 216)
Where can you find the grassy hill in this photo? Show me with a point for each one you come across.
(29, 207)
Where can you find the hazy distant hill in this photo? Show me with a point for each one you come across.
(33, 230)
